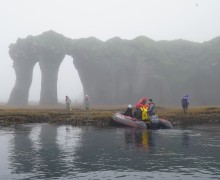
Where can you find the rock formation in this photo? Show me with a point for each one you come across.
(118, 71)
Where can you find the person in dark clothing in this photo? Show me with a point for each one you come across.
(185, 103)
(128, 111)
(151, 108)
(138, 113)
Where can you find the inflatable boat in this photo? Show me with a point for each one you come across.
(128, 121)
(156, 123)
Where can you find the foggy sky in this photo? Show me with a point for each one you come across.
(194, 20)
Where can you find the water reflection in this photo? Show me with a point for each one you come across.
(185, 138)
(49, 154)
(140, 138)
(22, 153)
(34, 135)
(68, 141)
(44, 151)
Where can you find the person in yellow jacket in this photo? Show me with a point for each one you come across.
(145, 116)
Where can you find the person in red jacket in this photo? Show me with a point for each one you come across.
(142, 102)
(139, 106)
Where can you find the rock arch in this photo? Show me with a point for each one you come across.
(117, 71)
(69, 82)
(49, 49)
(101, 68)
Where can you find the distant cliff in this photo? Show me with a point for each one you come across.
(120, 71)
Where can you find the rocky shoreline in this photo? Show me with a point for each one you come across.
(103, 116)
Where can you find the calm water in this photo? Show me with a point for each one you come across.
(43, 151)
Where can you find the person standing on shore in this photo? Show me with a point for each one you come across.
(185, 103)
(68, 102)
(87, 102)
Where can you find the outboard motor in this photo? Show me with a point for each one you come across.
(154, 119)
(155, 123)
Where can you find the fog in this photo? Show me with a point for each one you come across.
(194, 20)
(68, 83)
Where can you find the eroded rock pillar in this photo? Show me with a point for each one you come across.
(49, 66)
(24, 73)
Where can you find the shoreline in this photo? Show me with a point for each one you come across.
(102, 115)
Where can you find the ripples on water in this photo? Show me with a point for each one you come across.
(43, 151)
